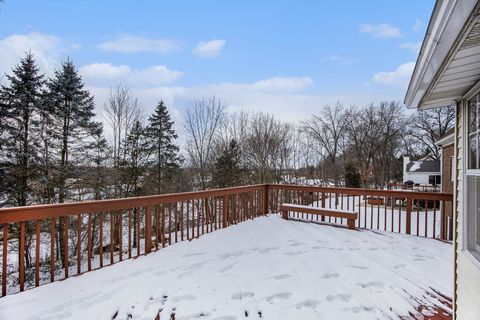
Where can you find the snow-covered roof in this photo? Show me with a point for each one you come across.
(427, 166)
(266, 268)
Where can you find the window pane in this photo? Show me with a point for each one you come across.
(472, 152)
(472, 115)
(473, 214)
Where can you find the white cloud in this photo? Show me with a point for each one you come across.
(133, 44)
(108, 74)
(418, 25)
(413, 46)
(283, 84)
(398, 78)
(210, 48)
(381, 30)
(47, 50)
(340, 59)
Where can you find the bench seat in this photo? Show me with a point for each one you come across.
(351, 216)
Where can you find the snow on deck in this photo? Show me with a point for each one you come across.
(268, 268)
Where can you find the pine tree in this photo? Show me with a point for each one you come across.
(21, 103)
(73, 115)
(161, 136)
(135, 161)
(227, 170)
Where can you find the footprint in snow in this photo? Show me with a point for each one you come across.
(375, 285)
(296, 244)
(295, 253)
(231, 254)
(268, 250)
(227, 267)
(358, 267)
(339, 297)
(309, 303)
(330, 275)
(194, 254)
(242, 295)
(282, 276)
(278, 296)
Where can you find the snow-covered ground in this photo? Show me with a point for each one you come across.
(266, 268)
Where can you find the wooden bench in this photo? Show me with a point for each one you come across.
(351, 216)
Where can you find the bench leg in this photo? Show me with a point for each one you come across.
(351, 224)
(285, 214)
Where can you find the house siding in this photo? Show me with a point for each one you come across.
(467, 272)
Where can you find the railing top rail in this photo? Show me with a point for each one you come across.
(370, 192)
(37, 212)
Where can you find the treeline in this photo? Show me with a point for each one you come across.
(52, 150)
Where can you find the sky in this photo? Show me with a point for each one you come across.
(288, 58)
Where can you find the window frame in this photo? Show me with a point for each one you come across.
(468, 238)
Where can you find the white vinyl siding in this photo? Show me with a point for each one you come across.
(467, 294)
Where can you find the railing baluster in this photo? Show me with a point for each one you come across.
(21, 249)
(100, 243)
(188, 219)
(181, 221)
(138, 213)
(418, 217)
(426, 218)
(385, 205)
(148, 230)
(163, 225)
(79, 243)
(52, 249)
(89, 242)
(129, 232)
(434, 217)
(120, 235)
(112, 227)
(400, 217)
(37, 253)
(392, 214)
(4, 259)
(66, 225)
(176, 223)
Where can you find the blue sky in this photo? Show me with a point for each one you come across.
(284, 57)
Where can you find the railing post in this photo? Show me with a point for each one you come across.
(265, 199)
(148, 229)
(225, 211)
(323, 204)
(409, 216)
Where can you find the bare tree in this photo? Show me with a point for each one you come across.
(266, 147)
(121, 112)
(430, 125)
(202, 123)
(328, 129)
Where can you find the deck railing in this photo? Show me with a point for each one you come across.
(112, 230)
(419, 213)
(45, 243)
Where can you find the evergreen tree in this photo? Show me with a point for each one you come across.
(135, 161)
(74, 115)
(352, 177)
(99, 153)
(21, 102)
(227, 170)
(161, 136)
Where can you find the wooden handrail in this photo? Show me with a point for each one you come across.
(44, 211)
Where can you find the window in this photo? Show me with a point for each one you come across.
(472, 178)
(473, 215)
(473, 132)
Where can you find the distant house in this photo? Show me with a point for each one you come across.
(447, 154)
(423, 171)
